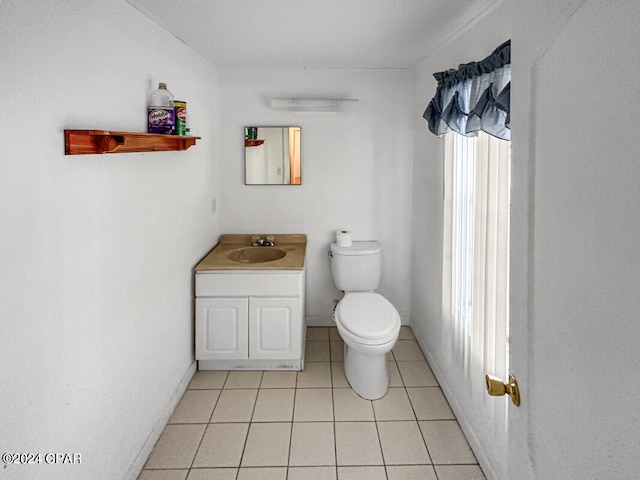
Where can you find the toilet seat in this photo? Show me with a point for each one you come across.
(368, 317)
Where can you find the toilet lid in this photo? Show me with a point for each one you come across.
(369, 316)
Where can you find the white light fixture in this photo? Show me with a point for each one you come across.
(311, 104)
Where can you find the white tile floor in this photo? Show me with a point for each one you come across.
(246, 425)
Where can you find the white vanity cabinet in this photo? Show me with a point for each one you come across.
(250, 320)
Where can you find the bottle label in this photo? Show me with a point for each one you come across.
(161, 120)
(180, 108)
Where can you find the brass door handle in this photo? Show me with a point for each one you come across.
(496, 388)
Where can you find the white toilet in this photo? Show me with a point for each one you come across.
(367, 322)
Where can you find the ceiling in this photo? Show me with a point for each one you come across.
(313, 33)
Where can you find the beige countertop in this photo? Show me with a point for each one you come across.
(294, 244)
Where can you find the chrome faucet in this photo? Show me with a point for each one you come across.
(269, 241)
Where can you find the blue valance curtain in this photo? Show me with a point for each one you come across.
(474, 97)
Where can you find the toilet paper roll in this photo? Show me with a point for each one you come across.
(343, 238)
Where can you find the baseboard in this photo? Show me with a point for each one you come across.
(320, 321)
(327, 321)
(145, 451)
(468, 431)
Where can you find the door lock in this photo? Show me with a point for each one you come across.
(496, 388)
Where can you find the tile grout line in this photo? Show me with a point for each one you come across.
(424, 441)
(293, 411)
(333, 404)
(246, 438)
(206, 427)
(375, 422)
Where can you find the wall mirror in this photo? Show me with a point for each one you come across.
(272, 156)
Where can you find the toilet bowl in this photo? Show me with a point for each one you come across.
(369, 326)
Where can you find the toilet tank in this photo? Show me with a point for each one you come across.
(357, 268)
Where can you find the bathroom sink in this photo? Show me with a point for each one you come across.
(256, 254)
(234, 251)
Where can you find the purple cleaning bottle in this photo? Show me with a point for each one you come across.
(161, 114)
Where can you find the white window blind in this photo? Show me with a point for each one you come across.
(476, 247)
(462, 223)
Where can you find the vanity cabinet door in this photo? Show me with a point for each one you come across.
(222, 328)
(275, 328)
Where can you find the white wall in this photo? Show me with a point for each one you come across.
(575, 259)
(96, 251)
(475, 43)
(356, 170)
(581, 150)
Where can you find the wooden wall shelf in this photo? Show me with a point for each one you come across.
(85, 142)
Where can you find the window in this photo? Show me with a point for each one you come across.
(463, 158)
(476, 245)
